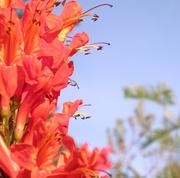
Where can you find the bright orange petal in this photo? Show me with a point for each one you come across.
(6, 163)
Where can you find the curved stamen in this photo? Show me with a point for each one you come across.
(93, 45)
(84, 14)
(100, 5)
(84, 105)
(105, 43)
(110, 175)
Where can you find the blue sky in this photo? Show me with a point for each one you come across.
(145, 49)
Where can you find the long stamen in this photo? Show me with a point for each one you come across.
(105, 43)
(84, 105)
(97, 46)
(72, 20)
(94, 18)
(100, 5)
(79, 18)
(110, 175)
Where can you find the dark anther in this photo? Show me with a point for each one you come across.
(11, 22)
(38, 11)
(86, 53)
(87, 117)
(38, 23)
(69, 37)
(63, 3)
(81, 116)
(95, 17)
(68, 41)
(86, 50)
(57, 134)
(100, 48)
(57, 3)
(73, 83)
(48, 12)
(34, 21)
(8, 30)
(59, 140)
(49, 96)
(80, 20)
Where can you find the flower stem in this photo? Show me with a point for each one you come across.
(5, 126)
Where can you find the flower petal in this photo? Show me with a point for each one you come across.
(24, 155)
(6, 163)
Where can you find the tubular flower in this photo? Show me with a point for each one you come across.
(12, 4)
(35, 66)
(10, 37)
(42, 142)
(80, 162)
(70, 16)
(10, 53)
(78, 41)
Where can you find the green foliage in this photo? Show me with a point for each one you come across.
(170, 171)
(140, 137)
(163, 136)
(160, 94)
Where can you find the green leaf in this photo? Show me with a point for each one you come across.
(159, 135)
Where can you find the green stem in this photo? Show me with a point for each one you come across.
(5, 128)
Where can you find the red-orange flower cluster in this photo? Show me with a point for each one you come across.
(35, 66)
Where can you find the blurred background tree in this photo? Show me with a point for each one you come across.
(147, 144)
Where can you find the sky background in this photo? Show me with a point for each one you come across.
(145, 49)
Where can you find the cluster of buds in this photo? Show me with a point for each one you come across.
(35, 65)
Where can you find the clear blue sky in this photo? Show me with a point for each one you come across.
(145, 49)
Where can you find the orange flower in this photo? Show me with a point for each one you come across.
(43, 140)
(10, 37)
(10, 53)
(12, 4)
(82, 163)
(35, 65)
(71, 15)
